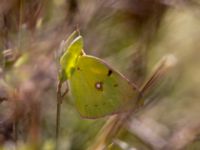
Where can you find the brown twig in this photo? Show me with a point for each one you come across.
(113, 126)
(59, 102)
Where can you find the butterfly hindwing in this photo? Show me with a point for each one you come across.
(99, 90)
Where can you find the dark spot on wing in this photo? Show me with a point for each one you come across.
(81, 53)
(78, 68)
(99, 86)
(115, 85)
(109, 72)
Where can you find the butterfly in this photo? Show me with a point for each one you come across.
(97, 89)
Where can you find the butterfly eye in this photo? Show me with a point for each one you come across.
(99, 86)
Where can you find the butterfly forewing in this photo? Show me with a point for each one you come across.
(99, 90)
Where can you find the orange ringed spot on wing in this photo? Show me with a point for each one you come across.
(99, 86)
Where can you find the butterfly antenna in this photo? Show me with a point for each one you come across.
(78, 29)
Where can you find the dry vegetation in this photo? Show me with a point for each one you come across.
(132, 36)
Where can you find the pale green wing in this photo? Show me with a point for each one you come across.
(98, 90)
(69, 58)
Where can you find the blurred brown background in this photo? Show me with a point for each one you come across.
(132, 36)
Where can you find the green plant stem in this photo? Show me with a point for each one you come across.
(58, 111)
(59, 98)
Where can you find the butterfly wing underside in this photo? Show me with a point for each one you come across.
(98, 90)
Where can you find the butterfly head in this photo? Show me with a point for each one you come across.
(68, 60)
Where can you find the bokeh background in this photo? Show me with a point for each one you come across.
(132, 36)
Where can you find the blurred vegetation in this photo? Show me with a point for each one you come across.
(132, 36)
